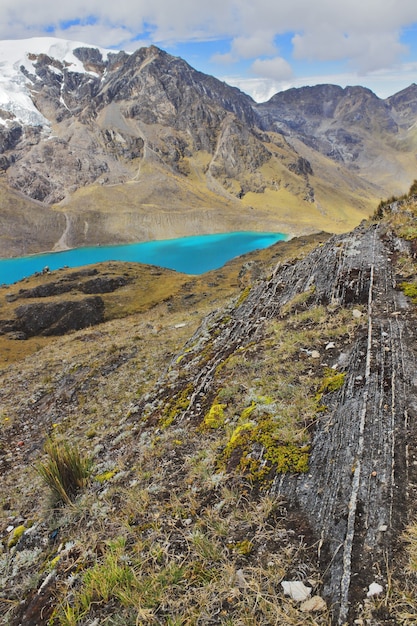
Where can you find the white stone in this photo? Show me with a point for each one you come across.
(374, 590)
(356, 313)
(315, 354)
(330, 345)
(296, 590)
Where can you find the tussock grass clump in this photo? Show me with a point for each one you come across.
(65, 471)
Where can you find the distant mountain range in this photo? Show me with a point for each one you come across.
(105, 147)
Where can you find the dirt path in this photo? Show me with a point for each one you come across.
(62, 243)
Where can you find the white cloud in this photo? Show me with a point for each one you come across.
(383, 83)
(97, 35)
(255, 45)
(260, 89)
(224, 59)
(366, 53)
(246, 48)
(365, 34)
(277, 68)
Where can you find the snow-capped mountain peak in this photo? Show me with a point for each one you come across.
(17, 62)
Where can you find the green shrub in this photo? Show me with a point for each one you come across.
(65, 471)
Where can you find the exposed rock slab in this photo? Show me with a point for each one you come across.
(359, 487)
(54, 318)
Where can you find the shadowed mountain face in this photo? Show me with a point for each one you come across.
(351, 126)
(141, 146)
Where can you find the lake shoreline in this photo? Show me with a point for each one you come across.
(192, 255)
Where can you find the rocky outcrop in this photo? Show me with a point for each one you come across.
(359, 489)
(73, 282)
(57, 318)
(9, 138)
(57, 315)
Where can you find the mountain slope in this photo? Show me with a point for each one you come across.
(272, 440)
(351, 126)
(138, 146)
(27, 226)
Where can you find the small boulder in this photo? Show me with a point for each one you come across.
(374, 590)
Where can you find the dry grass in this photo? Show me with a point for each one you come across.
(162, 534)
(195, 543)
(181, 559)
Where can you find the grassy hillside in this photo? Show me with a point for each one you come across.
(171, 519)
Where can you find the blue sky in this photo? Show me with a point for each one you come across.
(261, 46)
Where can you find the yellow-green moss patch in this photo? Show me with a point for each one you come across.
(16, 534)
(243, 296)
(178, 404)
(410, 290)
(215, 416)
(261, 451)
(332, 380)
(105, 476)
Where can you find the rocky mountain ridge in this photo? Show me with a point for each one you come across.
(348, 125)
(127, 147)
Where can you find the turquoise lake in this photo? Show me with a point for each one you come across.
(189, 255)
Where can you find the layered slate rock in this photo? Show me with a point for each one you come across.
(359, 489)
